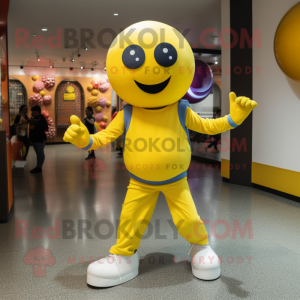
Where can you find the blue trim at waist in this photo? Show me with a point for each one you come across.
(89, 145)
(176, 178)
(231, 123)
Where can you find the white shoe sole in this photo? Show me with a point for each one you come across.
(207, 274)
(102, 282)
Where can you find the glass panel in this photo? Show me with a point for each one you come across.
(17, 97)
(204, 145)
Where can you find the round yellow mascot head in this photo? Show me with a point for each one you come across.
(150, 64)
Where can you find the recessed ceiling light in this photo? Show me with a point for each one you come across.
(44, 28)
(34, 34)
(216, 62)
(116, 14)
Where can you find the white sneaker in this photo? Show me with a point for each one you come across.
(205, 262)
(113, 270)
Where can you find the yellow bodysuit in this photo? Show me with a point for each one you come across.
(157, 154)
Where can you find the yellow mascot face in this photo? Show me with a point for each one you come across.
(150, 64)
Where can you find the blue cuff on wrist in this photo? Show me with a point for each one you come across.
(231, 123)
(89, 145)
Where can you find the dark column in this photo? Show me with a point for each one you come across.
(4, 202)
(241, 84)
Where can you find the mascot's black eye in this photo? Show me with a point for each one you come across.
(133, 56)
(165, 54)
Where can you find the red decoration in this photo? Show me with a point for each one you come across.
(95, 84)
(114, 115)
(102, 125)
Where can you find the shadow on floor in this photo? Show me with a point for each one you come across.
(234, 287)
(154, 272)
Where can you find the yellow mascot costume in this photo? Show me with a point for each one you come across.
(151, 66)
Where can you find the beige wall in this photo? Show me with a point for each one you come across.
(276, 122)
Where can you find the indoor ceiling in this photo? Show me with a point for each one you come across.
(32, 15)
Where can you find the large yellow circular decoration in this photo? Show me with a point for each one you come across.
(34, 77)
(95, 92)
(70, 89)
(98, 109)
(108, 103)
(90, 87)
(42, 93)
(105, 118)
(93, 101)
(287, 43)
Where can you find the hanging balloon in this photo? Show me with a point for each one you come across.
(47, 100)
(114, 115)
(95, 92)
(102, 81)
(102, 125)
(49, 81)
(38, 86)
(36, 99)
(95, 84)
(45, 113)
(104, 87)
(201, 84)
(98, 109)
(51, 131)
(102, 101)
(93, 101)
(99, 117)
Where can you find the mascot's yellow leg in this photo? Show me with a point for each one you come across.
(138, 208)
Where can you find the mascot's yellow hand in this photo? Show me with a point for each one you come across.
(240, 108)
(77, 134)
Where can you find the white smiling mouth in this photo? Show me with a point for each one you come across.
(153, 88)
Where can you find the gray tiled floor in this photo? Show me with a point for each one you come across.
(65, 191)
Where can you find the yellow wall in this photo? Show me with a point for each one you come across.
(225, 168)
(84, 81)
(276, 178)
